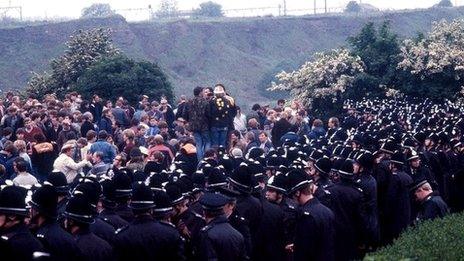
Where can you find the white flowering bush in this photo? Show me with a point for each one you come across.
(326, 77)
(437, 60)
(442, 48)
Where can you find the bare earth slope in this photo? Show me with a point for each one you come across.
(241, 53)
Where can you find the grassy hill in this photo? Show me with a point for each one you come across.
(241, 53)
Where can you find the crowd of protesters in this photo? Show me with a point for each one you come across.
(204, 181)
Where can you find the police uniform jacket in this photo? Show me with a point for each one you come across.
(369, 187)
(290, 210)
(398, 207)
(110, 217)
(240, 224)
(103, 230)
(220, 241)
(17, 243)
(57, 242)
(271, 243)
(93, 247)
(251, 209)
(350, 218)
(322, 192)
(315, 232)
(432, 207)
(147, 239)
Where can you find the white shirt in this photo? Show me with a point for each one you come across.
(25, 179)
(70, 169)
(240, 122)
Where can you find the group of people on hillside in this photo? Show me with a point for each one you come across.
(86, 180)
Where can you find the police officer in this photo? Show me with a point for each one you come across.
(91, 189)
(398, 201)
(57, 242)
(248, 206)
(58, 180)
(276, 192)
(109, 204)
(315, 224)
(418, 171)
(363, 164)
(123, 190)
(145, 238)
(319, 172)
(348, 205)
(79, 214)
(16, 242)
(432, 205)
(236, 221)
(187, 222)
(218, 240)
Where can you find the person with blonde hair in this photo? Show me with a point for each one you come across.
(22, 151)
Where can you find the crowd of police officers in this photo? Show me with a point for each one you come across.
(390, 164)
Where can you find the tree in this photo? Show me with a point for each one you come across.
(435, 63)
(320, 84)
(444, 3)
(209, 9)
(352, 7)
(97, 11)
(116, 76)
(379, 49)
(167, 9)
(83, 49)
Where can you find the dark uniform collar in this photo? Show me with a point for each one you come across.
(311, 202)
(144, 218)
(218, 220)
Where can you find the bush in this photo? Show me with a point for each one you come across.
(209, 9)
(352, 7)
(119, 75)
(444, 3)
(97, 11)
(441, 239)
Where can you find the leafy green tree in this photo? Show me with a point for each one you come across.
(83, 49)
(119, 75)
(167, 9)
(379, 49)
(97, 11)
(444, 3)
(209, 9)
(352, 7)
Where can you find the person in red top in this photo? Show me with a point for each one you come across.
(31, 130)
(159, 146)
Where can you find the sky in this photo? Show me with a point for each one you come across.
(72, 8)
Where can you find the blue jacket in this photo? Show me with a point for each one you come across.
(108, 150)
(105, 124)
(316, 133)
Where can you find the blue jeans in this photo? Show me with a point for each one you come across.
(218, 136)
(203, 142)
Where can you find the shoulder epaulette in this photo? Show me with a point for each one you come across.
(167, 224)
(119, 230)
(197, 215)
(206, 228)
